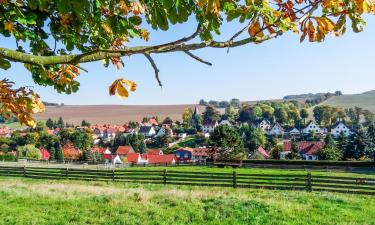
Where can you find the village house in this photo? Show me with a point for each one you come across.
(307, 149)
(5, 132)
(264, 124)
(276, 130)
(225, 122)
(123, 151)
(339, 128)
(193, 154)
(136, 158)
(147, 131)
(209, 127)
(165, 130)
(312, 127)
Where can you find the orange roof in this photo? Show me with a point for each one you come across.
(124, 150)
(154, 151)
(305, 147)
(132, 157)
(161, 159)
(98, 150)
(202, 151)
(263, 152)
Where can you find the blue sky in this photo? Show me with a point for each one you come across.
(266, 71)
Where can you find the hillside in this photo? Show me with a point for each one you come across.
(117, 114)
(365, 100)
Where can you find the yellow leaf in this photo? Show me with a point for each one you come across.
(8, 26)
(121, 91)
(130, 84)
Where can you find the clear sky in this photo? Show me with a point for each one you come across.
(266, 71)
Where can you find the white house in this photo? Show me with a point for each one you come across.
(276, 130)
(117, 160)
(225, 122)
(165, 131)
(209, 127)
(147, 131)
(339, 128)
(312, 127)
(182, 135)
(265, 125)
(294, 132)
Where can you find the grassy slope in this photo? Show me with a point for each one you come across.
(365, 100)
(74, 202)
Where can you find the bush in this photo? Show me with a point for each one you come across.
(29, 152)
(8, 157)
(329, 152)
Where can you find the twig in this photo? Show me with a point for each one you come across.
(153, 64)
(197, 58)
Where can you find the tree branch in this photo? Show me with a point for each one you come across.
(197, 58)
(153, 64)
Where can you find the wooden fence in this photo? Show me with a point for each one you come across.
(306, 181)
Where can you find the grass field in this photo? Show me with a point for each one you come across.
(365, 100)
(26, 201)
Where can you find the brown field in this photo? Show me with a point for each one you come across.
(115, 114)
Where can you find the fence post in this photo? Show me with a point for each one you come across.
(308, 182)
(67, 173)
(24, 171)
(165, 176)
(234, 179)
(113, 175)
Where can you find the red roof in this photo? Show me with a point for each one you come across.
(124, 150)
(305, 147)
(263, 152)
(202, 151)
(154, 152)
(161, 159)
(44, 154)
(133, 157)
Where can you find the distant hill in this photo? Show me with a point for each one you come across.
(365, 100)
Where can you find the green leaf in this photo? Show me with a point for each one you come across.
(4, 64)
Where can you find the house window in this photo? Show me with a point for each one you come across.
(177, 155)
(185, 155)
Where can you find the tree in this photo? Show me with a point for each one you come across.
(330, 152)
(227, 143)
(235, 102)
(210, 115)
(304, 113)
(253, 138)
(231, 114)
(79, 27)
(281, 115)
(187, 115)
(168, 120)
(142, 147)
(356, 149)
(50, 124)
(85, 124)
(202, 102)
(245, 114)
(275, 152)
(294, 153)
(29, 152)
(60, 122)
(342, 142)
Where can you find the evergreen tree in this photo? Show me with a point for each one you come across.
(227, 143)
(330, 152)
(84, 123)
(52, 152)
(60, 122)
(342, 143)
(357, 147)
(294, 153)
(49, 123)
(58, 153)
(370, 134)
(142, 147)
(328, 140)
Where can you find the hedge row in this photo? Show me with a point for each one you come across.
(306, 163)
(8, 157)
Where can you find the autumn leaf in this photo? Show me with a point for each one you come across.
(255, 30)
(117, 88)
(8, 26)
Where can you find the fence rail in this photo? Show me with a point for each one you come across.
(308, 182)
